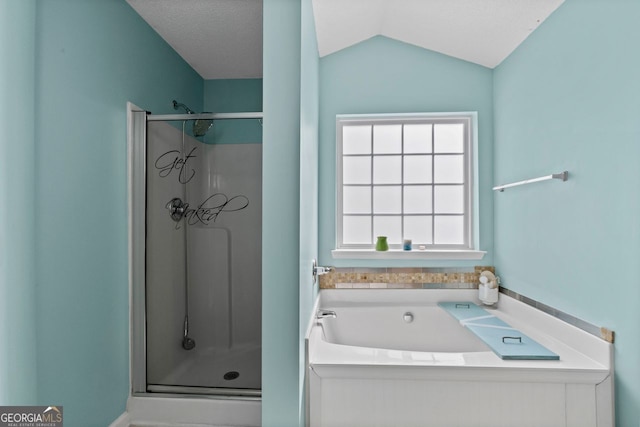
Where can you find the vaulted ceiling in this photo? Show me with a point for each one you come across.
(481, 31)
(222, 39)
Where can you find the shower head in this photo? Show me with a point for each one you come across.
(200, 126)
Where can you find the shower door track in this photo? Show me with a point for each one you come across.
(209, 391)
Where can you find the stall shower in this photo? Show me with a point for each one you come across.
(196, 285)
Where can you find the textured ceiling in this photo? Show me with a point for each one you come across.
(220, 39)
(481, 31)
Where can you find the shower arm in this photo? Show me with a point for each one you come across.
(177, 105)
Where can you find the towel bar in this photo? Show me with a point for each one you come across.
(562, 175)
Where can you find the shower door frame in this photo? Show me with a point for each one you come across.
(136, 177)
(137, 119)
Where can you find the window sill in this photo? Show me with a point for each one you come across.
(414, 254)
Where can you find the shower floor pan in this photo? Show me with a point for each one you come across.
(230, 372)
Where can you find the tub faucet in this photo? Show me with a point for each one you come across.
(321, 314)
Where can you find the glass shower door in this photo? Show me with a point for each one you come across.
(203, 263)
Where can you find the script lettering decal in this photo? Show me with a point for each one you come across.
(210, 209)
(173, 161)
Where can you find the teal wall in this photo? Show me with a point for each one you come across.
(309, 121)
(382, 75)
(233, 96)
(281, 213)
(91, 58)
(569, 93)
(569, 99)
(17, 186)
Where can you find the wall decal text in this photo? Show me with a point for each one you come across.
(173, 160)
(209, 210)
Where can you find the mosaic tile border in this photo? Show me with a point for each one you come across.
(403, 278)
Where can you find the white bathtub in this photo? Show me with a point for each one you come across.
(370, 367)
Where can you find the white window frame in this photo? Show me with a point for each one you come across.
(466, 250)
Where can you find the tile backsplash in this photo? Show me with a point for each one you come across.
(403, 278)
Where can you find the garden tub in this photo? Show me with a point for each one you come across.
(397, 358)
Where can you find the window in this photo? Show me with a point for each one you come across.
(405, 177)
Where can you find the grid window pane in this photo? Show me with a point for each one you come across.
(417, 169)
(356, 200)
(389, 226)
(418, 229)
(449, 199)
(356, 139)
(356, 170)
(449, 169)
(356, 230)
(387, 200)
(387, 139)
(417, 138)
(417, 199)
(405, 178)
(448, 138)
(449, 230)
(386, 169)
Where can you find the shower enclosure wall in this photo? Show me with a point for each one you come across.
(196, 273)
